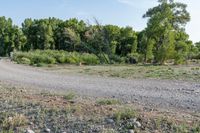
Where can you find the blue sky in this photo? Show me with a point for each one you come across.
(118, 12)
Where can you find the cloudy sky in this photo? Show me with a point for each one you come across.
(119, 12)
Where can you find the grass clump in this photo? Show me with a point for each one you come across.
(108, 102)
(70, 96)
(13, 121)
(124, 114)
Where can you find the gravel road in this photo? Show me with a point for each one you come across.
(151, 92)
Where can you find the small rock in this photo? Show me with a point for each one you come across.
(147, 109)
(31, 123)
(138, 124)
(47, 130)
(131, 131)
(128, 102)
(10, 118)
(133, 120)
(110, 121)
(29, 131)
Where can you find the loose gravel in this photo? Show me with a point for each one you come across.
(155, 93)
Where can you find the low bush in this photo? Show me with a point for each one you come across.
(39, 57)
(24, 60)
(89, 58)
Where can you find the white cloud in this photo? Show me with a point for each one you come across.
(127, 2)
(144, 4)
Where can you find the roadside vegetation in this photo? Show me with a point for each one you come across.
(189, 72)
(163, 39)
(23, 110)
(47, 57)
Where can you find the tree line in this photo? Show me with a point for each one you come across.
(164, 37)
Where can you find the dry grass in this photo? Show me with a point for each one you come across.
(184, 72)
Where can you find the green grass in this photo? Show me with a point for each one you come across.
(124, 114)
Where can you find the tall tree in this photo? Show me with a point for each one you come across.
(11, 37)
(165, 21)
(128, 41)
(113, 34)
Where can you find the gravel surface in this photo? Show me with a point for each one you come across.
(155, 93)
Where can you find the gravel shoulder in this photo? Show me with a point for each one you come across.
(151, 92)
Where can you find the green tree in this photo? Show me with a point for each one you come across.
(149, 50)
(97, 43)
(113, 35)
(182, 47)
(127, 42)
(165, 21)
(27, 31)
(145, 46)
(11, 37)
(195, 51)
(197, 45)
(68, 39)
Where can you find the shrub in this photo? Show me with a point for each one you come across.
(133, 58)
(179, 59)
(117, 59)
(60, 58)
(42, 57)
(89, 59)
(24, 60)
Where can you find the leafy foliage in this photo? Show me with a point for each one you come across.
(164, 38)
(39, 57)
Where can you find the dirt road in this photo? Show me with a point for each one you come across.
(156, 93)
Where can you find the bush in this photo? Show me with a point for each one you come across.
(42, 57)
(117, 59)
(133, 58)
(24, 60)
(179, 59)
(89, 59)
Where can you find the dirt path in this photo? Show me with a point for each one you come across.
(156, 93)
